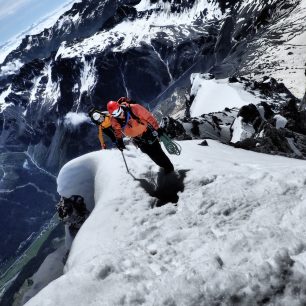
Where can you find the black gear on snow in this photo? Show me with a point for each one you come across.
(73, 212)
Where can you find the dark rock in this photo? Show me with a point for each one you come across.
(177, 6)
(269, 113)
(122, 12)
(296, 118)
(224, 42)
(249, 113)
(23, 80)
(225, 4)
(269, 86)
(189, 101)
(273, 142)
(233, 79)
(204, 143)
(14, 98)
(195, 128)
(66, 72)
(174, 128)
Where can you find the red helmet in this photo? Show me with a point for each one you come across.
(114, 108)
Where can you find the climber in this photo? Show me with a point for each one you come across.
(135, 121)
(102, 119)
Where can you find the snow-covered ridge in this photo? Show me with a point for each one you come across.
(216, 95)
(236, 234)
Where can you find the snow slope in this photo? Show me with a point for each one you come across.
(281, 50)
(215, 95)
(237, 235)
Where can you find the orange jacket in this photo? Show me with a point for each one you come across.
(104, 125)
(135, 127)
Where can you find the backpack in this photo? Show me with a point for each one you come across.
(126, 100)
(125, 104)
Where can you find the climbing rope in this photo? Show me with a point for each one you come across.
(171, 146)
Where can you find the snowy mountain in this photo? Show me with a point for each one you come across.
(91, 52)
(235, 235)
(37, 27)
(232, 71)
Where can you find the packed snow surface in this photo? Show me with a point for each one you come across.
(236, 236)
(215, 95)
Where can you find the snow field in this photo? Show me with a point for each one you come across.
(280, 52)
(215, 95)
(237, 235)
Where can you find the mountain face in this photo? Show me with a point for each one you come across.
(149, 50)
(101, 50)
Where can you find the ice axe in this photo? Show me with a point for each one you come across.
(127, 169)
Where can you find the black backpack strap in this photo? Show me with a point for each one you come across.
(128, 107)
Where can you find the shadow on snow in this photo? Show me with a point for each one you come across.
(167, 187)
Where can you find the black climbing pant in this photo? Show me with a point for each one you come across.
(156, 153)
(110, 133)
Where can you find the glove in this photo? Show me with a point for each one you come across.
(103, 147)
(120, 144)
